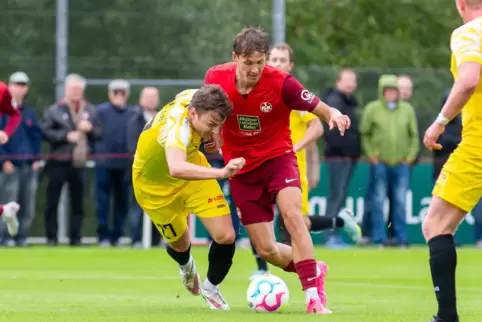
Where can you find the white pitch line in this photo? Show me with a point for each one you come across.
(171, 277)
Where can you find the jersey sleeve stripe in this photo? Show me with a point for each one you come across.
(468, 58)
(185, 133)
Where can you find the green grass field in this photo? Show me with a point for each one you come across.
(91, 284)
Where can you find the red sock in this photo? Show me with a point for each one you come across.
(306, 270)
(291, 268)
(1, 210)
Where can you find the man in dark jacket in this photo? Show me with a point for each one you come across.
(70, 126)
(449, 140)
(341, 152)
(21, 155)
(113, 163)
(146, 111)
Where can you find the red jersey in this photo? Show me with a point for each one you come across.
(259, 127)
(7, 108)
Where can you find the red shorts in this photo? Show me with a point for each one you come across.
(254, 192)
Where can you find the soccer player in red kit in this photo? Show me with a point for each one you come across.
(7, 107)
(258, 130)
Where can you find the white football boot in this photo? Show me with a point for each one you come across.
(9, 216)
(190, 277)
(214, 298)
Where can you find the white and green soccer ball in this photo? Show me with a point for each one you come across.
(267, 293)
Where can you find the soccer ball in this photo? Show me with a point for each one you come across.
(267, 293)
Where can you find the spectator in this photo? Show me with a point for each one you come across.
(391, 142)
(147, 110)
(341, 152)
(405, 85)
(449, 140)
(19, 177)
(113, 163)
(71, 127)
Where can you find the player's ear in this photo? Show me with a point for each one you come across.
(460, 4)
(235, 57)
(191, 112)
(292, 65)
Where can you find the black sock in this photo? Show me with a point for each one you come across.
(262, 265)
(443, 261)
(324, 222)
(220, 261)
(180, 258)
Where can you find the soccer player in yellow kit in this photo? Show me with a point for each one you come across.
(172, 179)
(459, 185)
(305, 128)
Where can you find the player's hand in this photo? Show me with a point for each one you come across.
(3, 137)
(431, 136)
(342, 122)
(296, 148)
(314, 180)
(233, 166)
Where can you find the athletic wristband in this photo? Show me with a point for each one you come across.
(442, 119)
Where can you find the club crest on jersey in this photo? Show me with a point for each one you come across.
(266, 107)
(307, 96)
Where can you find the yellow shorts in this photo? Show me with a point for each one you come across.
(204, 198)
(305, 189)
(460, 181)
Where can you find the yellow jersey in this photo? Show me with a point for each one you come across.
(169, 128)
(465, 44)
(298, 125)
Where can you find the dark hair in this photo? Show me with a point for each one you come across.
(249, 40)
(212, 98)
(284, 46)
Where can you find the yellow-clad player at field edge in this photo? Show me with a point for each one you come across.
(305, 128)
(172, 179)
(459, 185)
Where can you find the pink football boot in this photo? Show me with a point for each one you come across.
(316, 307)
(323, 270)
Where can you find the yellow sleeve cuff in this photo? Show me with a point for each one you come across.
(469, 59)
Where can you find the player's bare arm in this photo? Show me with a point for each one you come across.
(313, 132)
(332, 116)
(463, 88)
(180, 168)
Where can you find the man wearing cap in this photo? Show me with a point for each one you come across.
(20, 161)
(390, 140)
(113, 162)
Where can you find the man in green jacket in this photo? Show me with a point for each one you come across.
(390, 140)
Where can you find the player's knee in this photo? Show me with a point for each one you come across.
(440, 220)
(225, 237)
(267, 251)
(294, 222)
